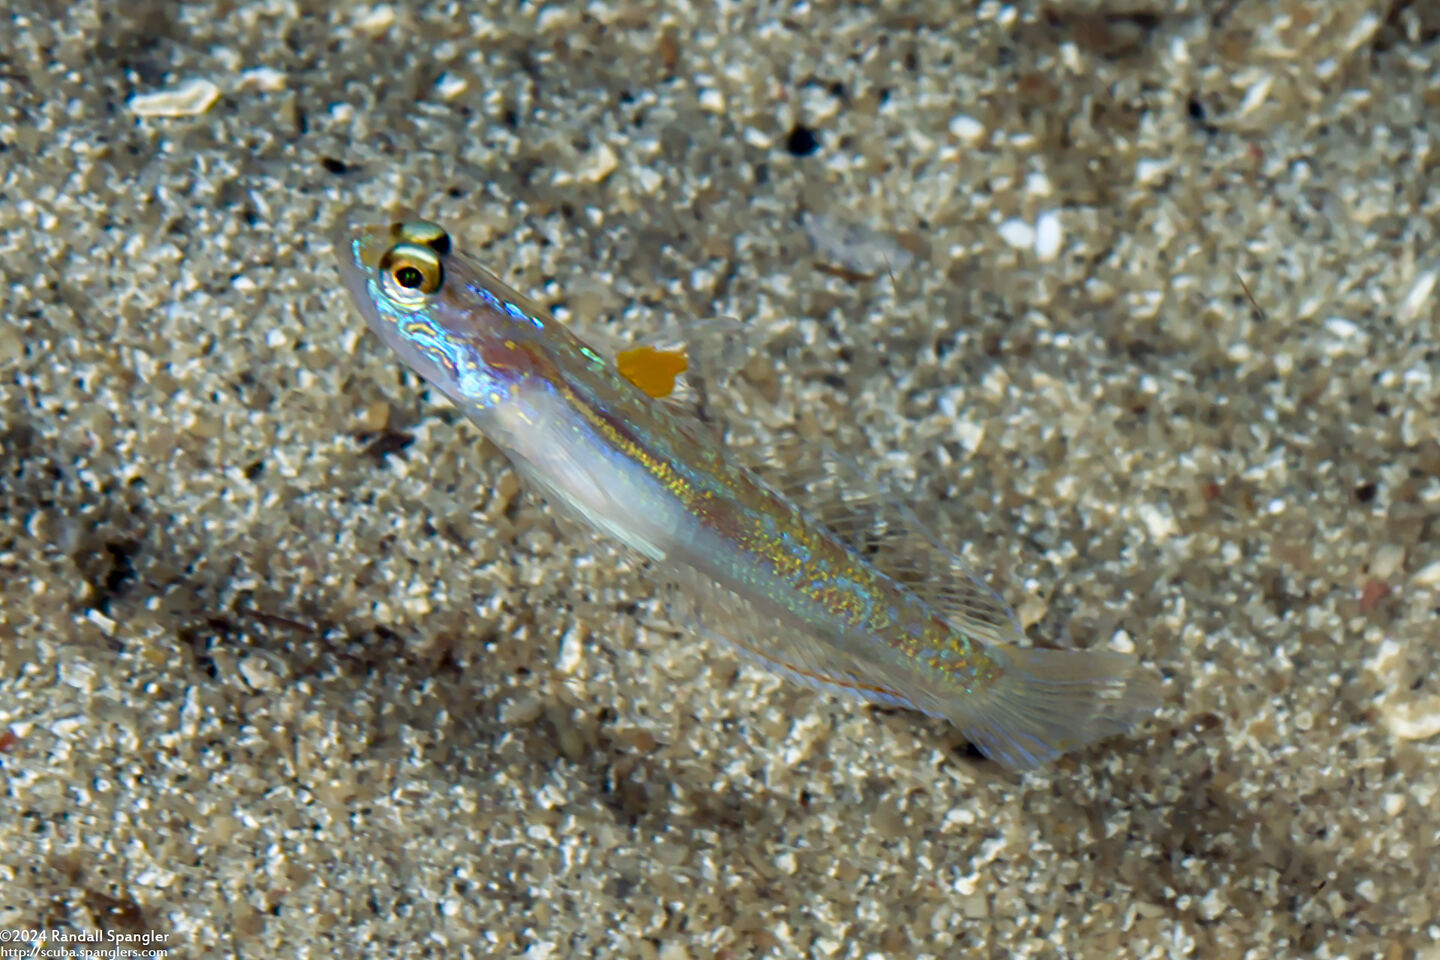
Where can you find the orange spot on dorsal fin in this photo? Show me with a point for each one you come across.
(651, 369)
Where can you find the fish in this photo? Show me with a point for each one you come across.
(798, 589)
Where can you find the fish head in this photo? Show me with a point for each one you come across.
(449, 318)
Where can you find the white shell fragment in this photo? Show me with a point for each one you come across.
(1363, 32)
(598, 165)
(1419, 720)
(189, 99)
(450, 86)
(1048, 236)
(267, 79)
(1018, 234)
(966, 128)
(376, 20)
(1416, 300)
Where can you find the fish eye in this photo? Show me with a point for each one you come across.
(409, 272)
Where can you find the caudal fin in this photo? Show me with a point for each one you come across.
(1048, 702)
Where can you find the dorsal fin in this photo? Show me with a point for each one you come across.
(691, 371)
(875, 522)
(864, 511)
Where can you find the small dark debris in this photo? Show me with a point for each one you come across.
(843, 273)
(275, 620)
(1206, 722)
(382, 445)
(1372, 594)
(337, 167)
(115, 913)
(802, 141)
(110, 569)
(1200, 116)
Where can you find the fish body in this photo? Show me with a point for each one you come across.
(769, 578)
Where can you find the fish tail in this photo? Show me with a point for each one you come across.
(1047, 702)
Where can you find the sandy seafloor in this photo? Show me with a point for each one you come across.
(291, 666)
